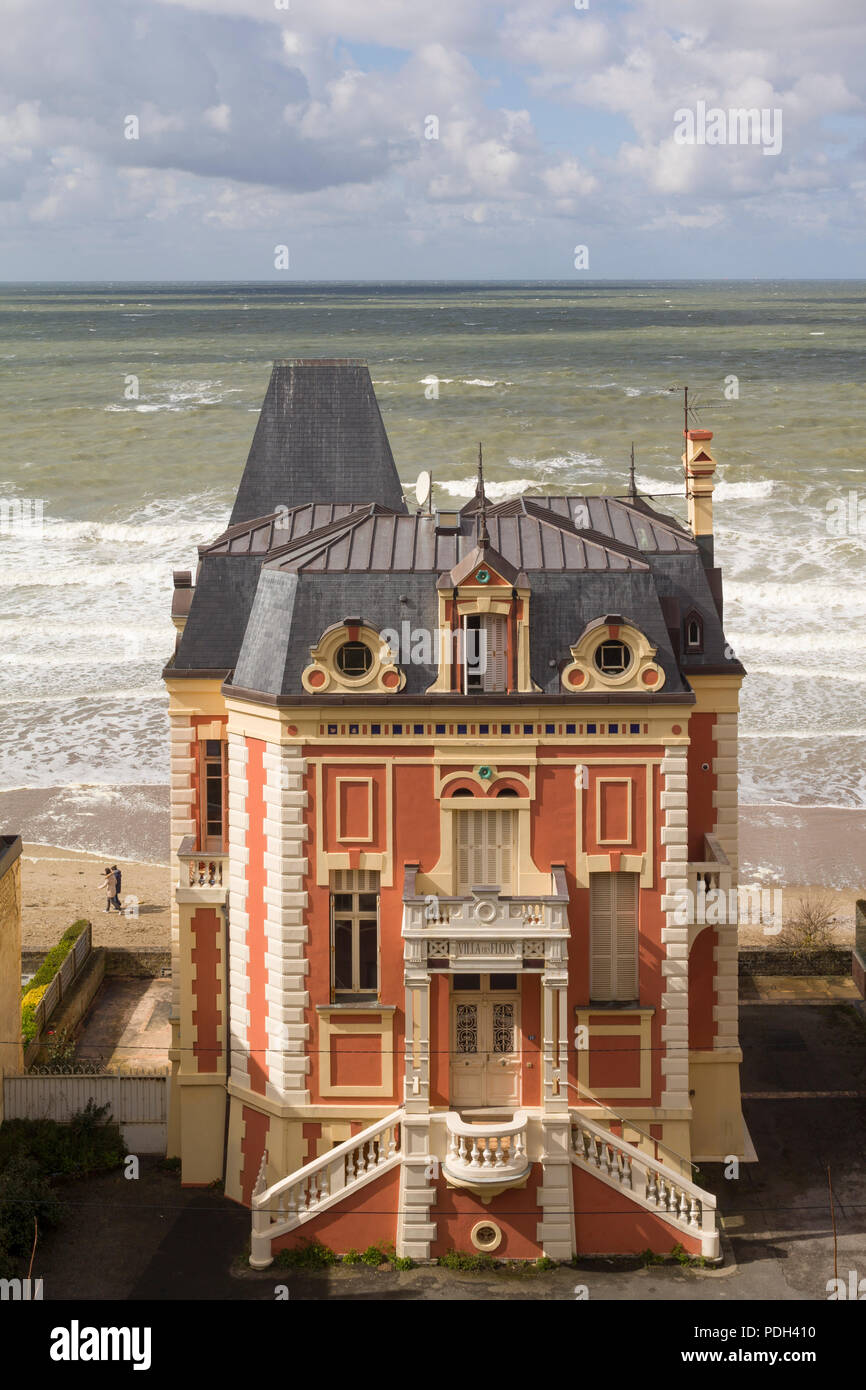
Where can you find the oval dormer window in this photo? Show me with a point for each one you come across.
(612, 658)
(353, 659)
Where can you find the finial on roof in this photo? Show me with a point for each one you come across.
(632, 487)
(483, 535)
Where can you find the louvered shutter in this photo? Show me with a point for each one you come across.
(625, 934)
(485, 850)
(495, 634)
(613, 936)
(600, 936)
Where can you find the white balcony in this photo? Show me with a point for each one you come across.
(487, 1155)
(487, 929)
(203, 875)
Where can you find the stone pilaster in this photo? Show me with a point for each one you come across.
(555, 1231)
(182, 747)
(675, 933)
(726, 800)
(239, 954)
(286, 931)
(415, 1230)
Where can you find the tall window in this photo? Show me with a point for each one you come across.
(486, 850)
(485, 652)
(613, 901)
(354, 935)
(212, 800)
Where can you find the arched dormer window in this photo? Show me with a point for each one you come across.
(694, 632)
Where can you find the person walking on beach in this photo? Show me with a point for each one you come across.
(118, 876)
(109, 881)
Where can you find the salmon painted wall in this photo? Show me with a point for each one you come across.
(702, 782)
(515, 1211)
(368, 1217)
(553, 841)
(607, 1223)
(702, 992)
(416, 839)
(206, 926)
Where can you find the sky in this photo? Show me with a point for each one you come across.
(430, 139)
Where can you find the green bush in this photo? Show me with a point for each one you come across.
(32, 992)
(373, 1256)
(545, 1263)
(459, 1259)
(310, 1254)
(56, 956)
(352, 1257)
(90, 1143)
(29, 1005)
(26, 1197)
(402, 1262)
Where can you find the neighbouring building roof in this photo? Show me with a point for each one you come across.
(320, 531)
(319, 438)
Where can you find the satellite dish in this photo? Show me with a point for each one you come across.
(423, 488)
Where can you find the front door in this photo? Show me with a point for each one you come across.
(485, 1049)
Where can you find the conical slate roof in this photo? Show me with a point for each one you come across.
(320, 438)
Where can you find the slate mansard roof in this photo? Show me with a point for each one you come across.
(320, 532)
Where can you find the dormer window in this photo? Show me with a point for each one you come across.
(694, 633)
(484, 648)
(612, 658)
(353, 659)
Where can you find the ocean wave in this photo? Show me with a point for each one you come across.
(761, 487)
(497, 491)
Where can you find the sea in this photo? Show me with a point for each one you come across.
(128, 410)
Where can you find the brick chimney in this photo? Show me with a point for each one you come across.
(700, 466)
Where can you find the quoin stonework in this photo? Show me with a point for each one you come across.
(432, 986)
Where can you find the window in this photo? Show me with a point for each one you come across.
(613, 902)
(354, 936)
(612, 658)
(485, 850)
(485, 652)
(694, 633)
(354, 659)
(212, 795)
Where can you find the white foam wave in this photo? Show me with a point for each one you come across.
(466, 488)
(761, 487)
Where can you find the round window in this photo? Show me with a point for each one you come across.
(612, 658)
(354, 659)
(486, 1235)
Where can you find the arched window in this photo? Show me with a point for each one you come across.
(507, 791)
(694, 633)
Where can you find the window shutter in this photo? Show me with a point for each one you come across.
(613, 936)
(463, 865)
(506, 831)
(495, 633)
(601, 936)
(625, 931)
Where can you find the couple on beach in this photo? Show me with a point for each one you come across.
(111, 887)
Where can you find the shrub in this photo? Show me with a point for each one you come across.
(402, 1262)
(25, 1198)
(90, 1143)
(56, 956)
(374, 1256)
(29, 1004)
(32, 992)
(545, 1263)
(352, 1257)
(459, 1259)
(810, 927)
(310, 1254)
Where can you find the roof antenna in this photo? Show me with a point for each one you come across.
(632, 489)
(483, 535)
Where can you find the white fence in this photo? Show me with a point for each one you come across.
(138, 1103)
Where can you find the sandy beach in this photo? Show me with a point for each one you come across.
(804, 850)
